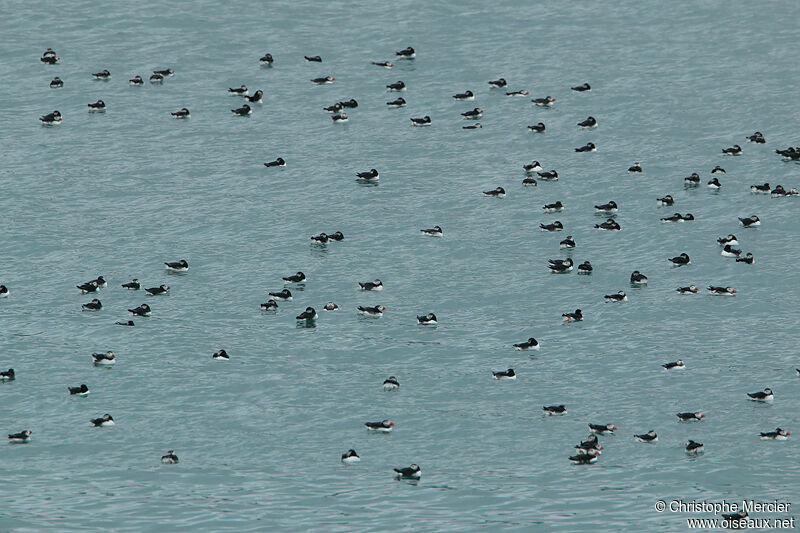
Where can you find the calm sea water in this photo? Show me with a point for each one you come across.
(260, 436)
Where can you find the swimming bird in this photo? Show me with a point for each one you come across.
(8, 375)
(336, 236)
(590, 122)
(85, 288)
(691, 289)
(170, 458)
(322, 238)
(105, 421)
(104, 359)
(666, 201)
(372, 174)
(555, 409)
(142, 310)
(518, 93)
(266, 59)
(730, 251)
(132, 285)
(550, 175)
(722, 291)
(51, 119)
(397, 86)
(220, 354)
(136, 81)
(718, 169)
(547, 101)
(466, 95)
(335, 108)
(529, 181)
(693, 447)
(256, 98)
(692, 180)
(295, 278)
(284, 295)
(603, 428)
(569, 242)
(498, 192)
(560, 266)
(473, 114)
(376, 311)
(555, 226)
(384, 64)
(81, 390)
(591, 443)
(94, 305)
(428, 319)
(609, 225)
(155, 291)
(409, 472)
(399, 102)
(675, 365)
(4, 292)
(341, 117)
(733, 150)
(376, 285)
(385, 426)
(677, 217)
(714, 184)
(534, 166)
(778, 434)
(128, 323)
(102, 75)
(585, 458)
(650, 436)
(691, 417)
(610, 207)
(269, 305)
(585, 268)
(757, 138)
(179, 266)
(620, 296)
(530, 344)
(351, 457)
(538, 128)
(156, 78)
(505, 374)
(635, 168)
(750, 222)
(391, 384)
(313, 59)
(350, 104)
(324, 80)
(279, 162)
(762, 396)
(308, 314)
(165, 72)
(406, 53)
(576, 316)
(733, 519)
(239, 91)
(680, 260)
(747, 259)
(242, 111)
(181, 113)
(56, 83)
(588, 147)
(475, 126)
(730, 239)
(49, 57)
(554, 207)
(582, 88)
(424, 121)
(435, 231)
(637, 278)
(22, 436)
(330, 306)
(497, 84)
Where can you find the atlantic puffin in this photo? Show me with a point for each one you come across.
(385, 426)
(505, 374)
(350, 457)
(105, 421)
(430, 318)
(530, 344)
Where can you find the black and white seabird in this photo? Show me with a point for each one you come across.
(409, 472)
(691, 289)
(279, 162)
(384, 426)
(718, 169)
(585, 458)
(256, 98)
(4, 292)
(407, 53)
(575, 316)
(675, 365)
(102, 75)
(308, 314)
(133, 285)
(397, 86)
(430, 319)
(555, 409)
(714, 184)
(170, 458)
(730, 251)
(620, 296)
(757, 138)
(372, 311)
(330, 306)
(181, 113)
(156, 78)
(692, 180)
(466, 95)
(165, 72)
(530, 344)
(603, 428)
(8, 375)
(326, 80)
(733, 150)
(537, 128)
(350, 104)
(569, 242)
(179, 266)
(376, 285)
(693, 447)
(242, 111)
(497, 84)
(269, 305)
(729, 239)
(424, 121)
(473, 114)
(239, 91)
(750, 222)
(284, 295)
(435, 231)
(534, 166)
(585, 268)
(691, 417)
(547, 101)
(666, 200)
(505, 374)
(635, 168)
(155, 291)
(554, 207)
(497, 192)
(351, 457)
(81, 390)
(590, 122)
(91, 286)
(384, 64)
(51, 119)
(608, 225)
(582, 88)
(680, 260)
(313, 59)
(266, 59)
(299, 277)
(22, 436)
(340, 117)
(555, 226)
(322, 238)
(142, 310)
(474, 126)
(335, 108)
(761, 396)
(747, 259)
(105, 421)
(650, 436)
(370, 175)
(220, 354)
(56, 83)
(136, 81)
(391, 384)
(722, 291)
(560, 266)
(610, 207)
(588, 147)
(637, 278)
(104, 359)
(94, 305)
(126, 323)
(399, 102)
(778, 434)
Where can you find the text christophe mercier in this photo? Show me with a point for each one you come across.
(722, 507)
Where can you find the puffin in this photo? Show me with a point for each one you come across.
(105, 421)
(575, 316)
(155, 291)
(650, 436)
(376, 285)
(691, 417)
(620, 296)
(21, 437)
(351, 457)
(530, 344)
(178, 266)
(94, 305)
(308, 314)
(435, 231)
(505, 374)
(170, 458)
(761, 396)
(295, 278)
(384, 426)
(391, 384)
(409, 472)
(376, 311)
(675, 365)
(429, 319)
(582, 88)
(555, 409)
(142, 310)
(406, 53)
